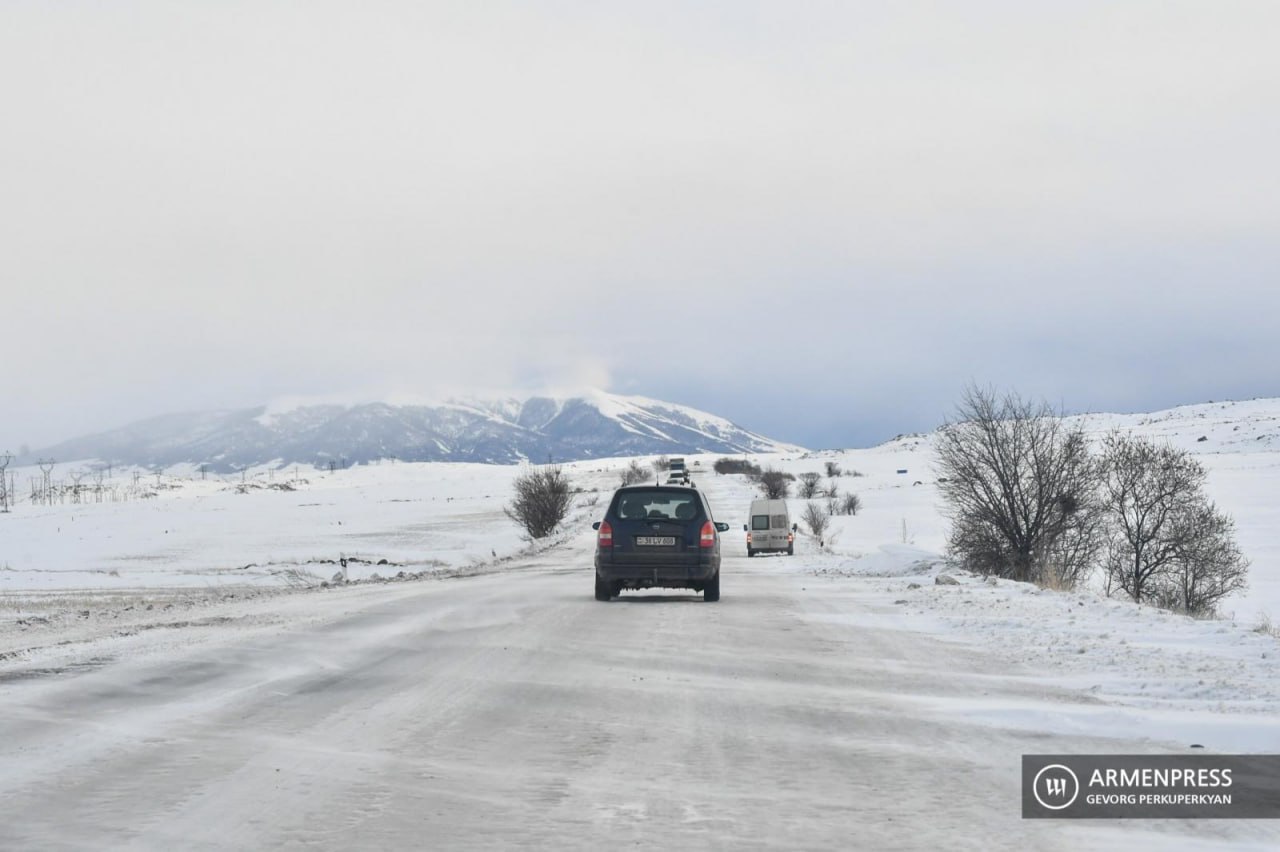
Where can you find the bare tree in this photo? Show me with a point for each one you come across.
(541, 501)
(634, 474)
(833, 470)
(1145, 487)
(1168, 543)
(1210, 566)
(816, 519)
(774, 484)
(807, 488)
(1012, 475)
(660, 464)
(850, 505)
(1073, 555)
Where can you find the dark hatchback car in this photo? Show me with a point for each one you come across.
(663, 536)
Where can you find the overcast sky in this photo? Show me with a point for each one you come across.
(820, 220)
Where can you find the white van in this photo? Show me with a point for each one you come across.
(769, 528)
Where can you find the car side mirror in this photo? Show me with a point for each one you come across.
(722, 527)
(744, 528)
(596, 525)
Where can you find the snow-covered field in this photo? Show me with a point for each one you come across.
(272, 528)
(203, 561)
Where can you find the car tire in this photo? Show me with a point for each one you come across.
(604, 591)
(711, 591)
(750, 553)
(791, 550)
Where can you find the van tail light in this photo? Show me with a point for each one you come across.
(605, 536)
(708, 538)
(791, 537)
(748, 538)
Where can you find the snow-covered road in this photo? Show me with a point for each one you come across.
(513, 710)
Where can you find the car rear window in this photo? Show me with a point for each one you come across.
(660, 505)
(759, 522)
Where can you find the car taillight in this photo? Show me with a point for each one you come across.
(708, 538)
(790, 537)
(605, 537)
(748, 538)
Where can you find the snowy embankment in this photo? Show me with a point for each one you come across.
(1154, 674)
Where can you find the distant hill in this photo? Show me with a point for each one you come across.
(499, 431)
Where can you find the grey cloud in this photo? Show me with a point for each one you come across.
(217, 205)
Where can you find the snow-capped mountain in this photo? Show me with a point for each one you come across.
(507, 430)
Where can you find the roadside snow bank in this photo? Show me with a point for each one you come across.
(1208, 682)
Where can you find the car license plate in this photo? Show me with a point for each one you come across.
(655, 540)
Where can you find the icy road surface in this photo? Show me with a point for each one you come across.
(513, 710)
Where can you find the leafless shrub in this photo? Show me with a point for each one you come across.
(774, 484)
(850, 505)
(297, 578)
(816, 519)
(660, 464)
(541, 500)
(832, 491)
(833, 470)
(729, 465)
(633, 474)
(807, 488)
(1013, 477)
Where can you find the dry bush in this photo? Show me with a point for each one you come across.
(816, 519)
(727, 465)
(807, 488)
(633, 474)
(541, 500)
(774, 484)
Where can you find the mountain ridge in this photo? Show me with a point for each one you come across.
(500, 430)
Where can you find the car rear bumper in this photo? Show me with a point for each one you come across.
(644, 573)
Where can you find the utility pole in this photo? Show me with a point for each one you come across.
(46, 484)
(76, 477)
(5, 497)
